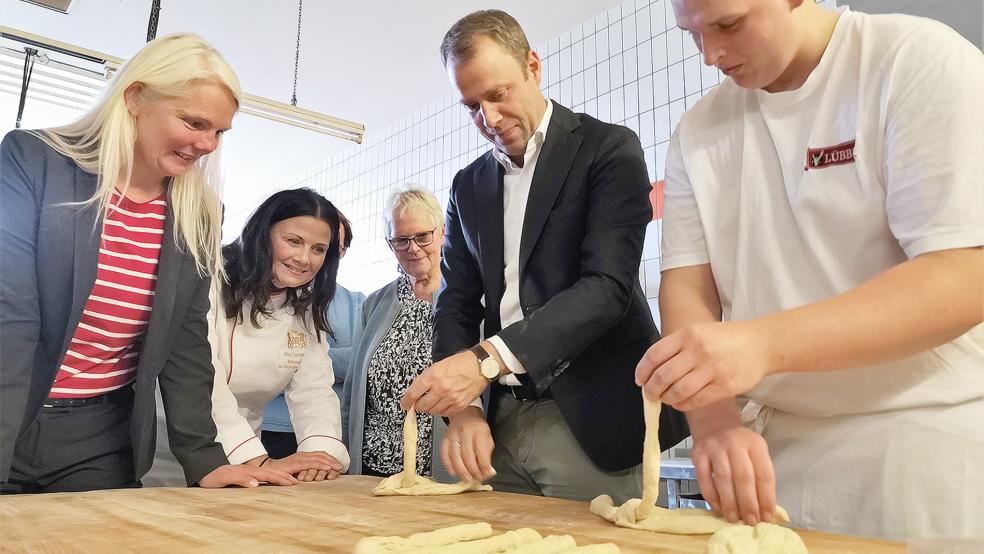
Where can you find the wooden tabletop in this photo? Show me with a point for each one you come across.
(326, 517)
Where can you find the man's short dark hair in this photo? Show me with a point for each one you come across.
(347, 227)
(497, 25)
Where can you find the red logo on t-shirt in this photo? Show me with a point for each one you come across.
(838, 154)
(656, 198)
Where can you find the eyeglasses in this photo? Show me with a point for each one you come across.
(399, 244)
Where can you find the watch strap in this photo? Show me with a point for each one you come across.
(483, 355)
(481, 352)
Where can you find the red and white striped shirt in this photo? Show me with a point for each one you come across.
(105, 348)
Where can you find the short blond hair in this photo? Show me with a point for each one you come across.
(416, 198)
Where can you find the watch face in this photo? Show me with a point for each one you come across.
(489, 368)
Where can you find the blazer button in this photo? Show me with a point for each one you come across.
(561, 368)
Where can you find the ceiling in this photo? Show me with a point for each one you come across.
(371, 62)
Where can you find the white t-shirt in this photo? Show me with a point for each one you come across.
(905, 97)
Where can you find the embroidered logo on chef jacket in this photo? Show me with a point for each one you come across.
(838, 154)
(296, 339)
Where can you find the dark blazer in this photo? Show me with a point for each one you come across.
(587, 322)
(48, 253)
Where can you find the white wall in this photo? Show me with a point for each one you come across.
(629, 65)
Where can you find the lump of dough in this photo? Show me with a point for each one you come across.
(683, 521)
(422, 486)
(763, 538)
(407, 482)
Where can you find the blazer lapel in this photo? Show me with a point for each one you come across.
(489, 209)
(169, 269)
(85, 258)
(552, 166)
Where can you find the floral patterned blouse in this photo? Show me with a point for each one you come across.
(400, 357)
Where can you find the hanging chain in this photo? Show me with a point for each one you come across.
(29, 56)
(155, 17)
(297, 51)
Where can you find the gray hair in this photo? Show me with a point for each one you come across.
(497, 25)
(413, 197)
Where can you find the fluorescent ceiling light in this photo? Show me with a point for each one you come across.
(66, 84)
(60, 6)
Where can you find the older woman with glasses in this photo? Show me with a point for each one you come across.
(396, 342)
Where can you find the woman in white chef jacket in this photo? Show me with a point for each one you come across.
(269, 334)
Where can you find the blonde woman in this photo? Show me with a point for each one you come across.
(109, 230)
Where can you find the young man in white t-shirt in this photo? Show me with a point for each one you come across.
(822, 258)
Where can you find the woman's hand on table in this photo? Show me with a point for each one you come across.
(245, 475)
(734, 468)
(467, 448)
(308, 466)
(315, 474)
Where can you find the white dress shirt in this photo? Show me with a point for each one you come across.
(515, 193)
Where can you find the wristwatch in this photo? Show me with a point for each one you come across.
(487, 365)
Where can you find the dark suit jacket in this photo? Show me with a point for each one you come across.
(587, 322)
(48, 253)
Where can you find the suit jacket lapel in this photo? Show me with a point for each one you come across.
(552, 166)
(85, 257)
(489, 209)
(169, 269)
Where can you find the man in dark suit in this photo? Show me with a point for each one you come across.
(548, 228)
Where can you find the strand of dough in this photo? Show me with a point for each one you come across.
(499, 543)
(650, 470)
(643, 513)
(549, 545)
(604, 548)
(410, 436)
(430, 539)
(408, 483)
(475, 538)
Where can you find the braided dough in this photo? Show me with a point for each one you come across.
(643, 513)
(476, 538)
(408, 483)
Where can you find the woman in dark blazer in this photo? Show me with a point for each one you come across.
(109, 230)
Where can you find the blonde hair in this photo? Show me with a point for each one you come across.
(413, 197)
(102, 140)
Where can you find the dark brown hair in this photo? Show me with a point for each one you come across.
(249, 261)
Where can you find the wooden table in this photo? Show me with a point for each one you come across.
(326, 517)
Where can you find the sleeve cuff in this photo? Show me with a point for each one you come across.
(683, 261)
(246, 451)
(330, 445)
(945, 241)
(512, 362)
